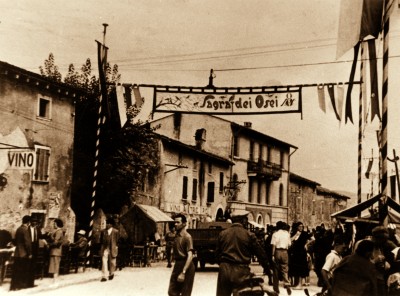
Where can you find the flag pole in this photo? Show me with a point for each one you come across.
(384, 138)
(100, 122)
(360, 123)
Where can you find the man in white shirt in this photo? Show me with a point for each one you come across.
(331, 261)
(281, 242)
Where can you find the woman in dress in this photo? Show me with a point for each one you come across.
(55, 244)
(298, 265)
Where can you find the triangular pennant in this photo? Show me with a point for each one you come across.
(331, 91)
(321, 97)
(349, 114)
(374, 80)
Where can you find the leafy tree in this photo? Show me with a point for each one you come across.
(130, 159)
(50, 69)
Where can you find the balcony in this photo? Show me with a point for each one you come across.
(265, 169)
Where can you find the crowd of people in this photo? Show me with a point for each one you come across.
(345, 261)
(29, 240)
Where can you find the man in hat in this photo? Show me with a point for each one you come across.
(109, 250)
(78, 248)
(35, 235)
(22, 256)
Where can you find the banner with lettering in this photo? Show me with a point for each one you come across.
(225, 101)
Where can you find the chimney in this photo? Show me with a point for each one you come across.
(200, 137)
(247, 124)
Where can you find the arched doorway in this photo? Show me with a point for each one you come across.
(220, 215)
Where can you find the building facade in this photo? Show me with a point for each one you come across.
(311, 203)
(36, 148)
(246, 171)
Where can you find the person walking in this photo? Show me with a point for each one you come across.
(235, 248)
(169, 240)
(331, 261)
(281, 242)
(182, 276)
(55, 244)
(298, 265)
(109, 250)
(22, 257)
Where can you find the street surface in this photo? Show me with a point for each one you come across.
(131, 281)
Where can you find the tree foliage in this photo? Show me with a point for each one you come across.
(50, 69)
(83, 79)
(131, 160)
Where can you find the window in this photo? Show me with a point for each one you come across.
(281, 194)
(41, 172)
(260, 152)
(194, 190)
(282, 159)
(259, 184)
(194, 163)
(313, 207)
(210, 192)
(44, 108)
(267, 191)
(221, 182)
(235, 146)
(180, 159)
(251, 148)
(210, 167)
(185, 187)
(269, 154)
(251, 181)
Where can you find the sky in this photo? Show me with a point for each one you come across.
(247, 43)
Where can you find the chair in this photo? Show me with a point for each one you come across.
(42, 263)
(137, 255)
(65, 263)
(78, 259)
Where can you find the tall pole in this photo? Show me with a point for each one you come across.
(384, 138)
(100, 122)
(360, 122)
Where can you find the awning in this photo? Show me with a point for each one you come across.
(353, 212)
(155, 214)
(255, 224)
(357, 209)
(239, 212)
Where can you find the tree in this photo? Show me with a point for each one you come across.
(50, 70)
(130, 159)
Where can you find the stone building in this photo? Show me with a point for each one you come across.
(311, 203)
(246, 171)
(36, 148)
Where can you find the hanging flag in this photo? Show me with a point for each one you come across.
(331, 92)
(373, 69)
(138, 98)
(340, 98)
(370, 162)
(357, 20)
(321, 97)
(128, 96)
(349, 114)
(102, 62)
(363, 86)
(121, 104)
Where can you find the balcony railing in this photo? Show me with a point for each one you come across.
(265, 169)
